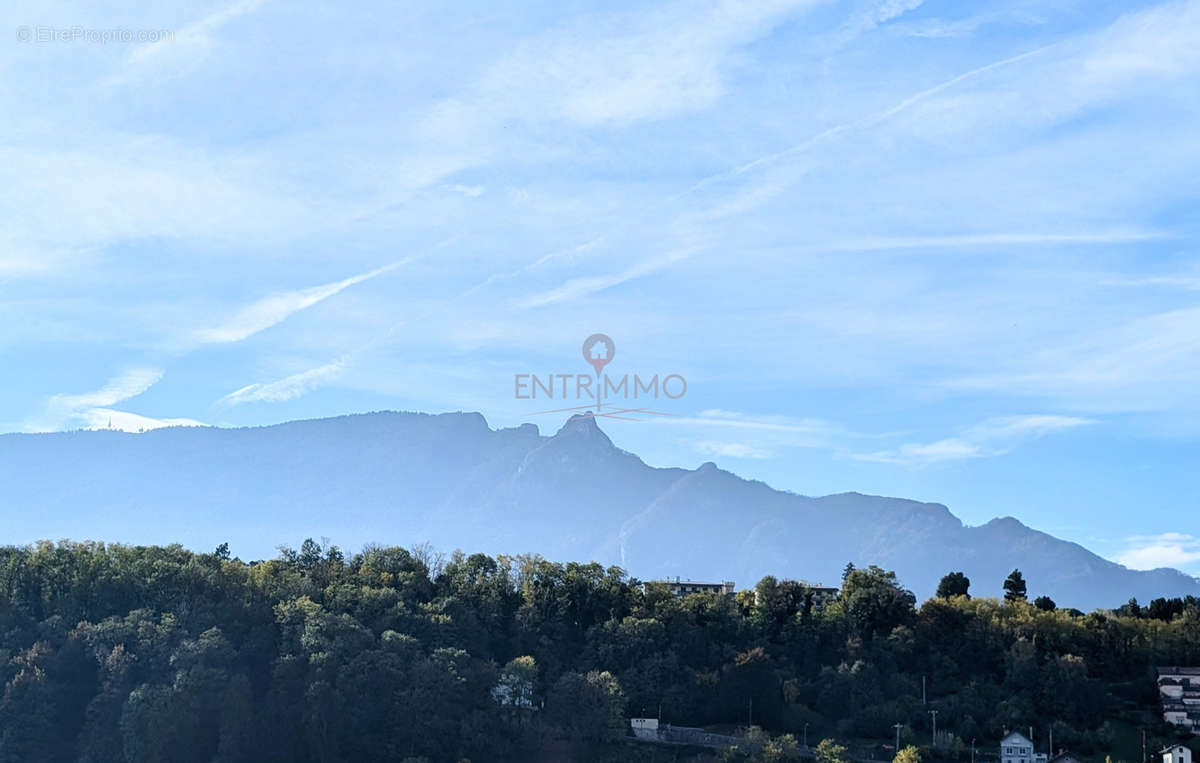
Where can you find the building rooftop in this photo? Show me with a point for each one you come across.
(1024, 739)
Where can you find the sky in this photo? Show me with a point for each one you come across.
(937, 250)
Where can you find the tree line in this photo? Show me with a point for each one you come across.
(119, 653)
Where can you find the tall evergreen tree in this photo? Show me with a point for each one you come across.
(1014, 587)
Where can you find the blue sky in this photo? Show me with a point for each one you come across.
(938, 250)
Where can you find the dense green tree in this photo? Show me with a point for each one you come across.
(874, 602)
(954, 584)
(778, 602)
(588, 708)
(517, 684)
(1131, 609)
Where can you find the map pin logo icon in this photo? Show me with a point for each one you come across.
(598, 350)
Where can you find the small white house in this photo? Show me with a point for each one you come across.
(1177, 754)
(647, 728)
(1016, 748)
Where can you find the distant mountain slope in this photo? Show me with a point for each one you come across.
(450, 479)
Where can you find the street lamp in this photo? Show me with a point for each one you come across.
(934, 714)
(897, 727)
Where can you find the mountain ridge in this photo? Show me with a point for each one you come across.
(452, 480)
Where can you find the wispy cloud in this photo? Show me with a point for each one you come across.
(731, 449)
(277, 308)
(1156, 42)
(939, 28)
(619, 68)
(19, 259)
(577, 288)
(1036, 89)
(1148, 552)
(58, 203)
(1007, 239)
(124, 421)
(129, 384)
(761, 437)
(869, 121)
(993, 437)
(732, 434)
(569, 254)
(1187, 283)
(811, 429)
(65, 410)
(287, 388)
(873, 16)
(1149, 363)
(185, 49)
(943, 27)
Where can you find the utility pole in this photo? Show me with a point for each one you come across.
(806, 735)
(923, 702)
(897, 727)
(1051, 741)
(972, 750)
(1144, 756)
(750, 715)
(934, 714)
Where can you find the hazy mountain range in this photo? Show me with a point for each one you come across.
(405, 478)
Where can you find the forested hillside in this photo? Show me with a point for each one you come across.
(116, 653)
(451, 480)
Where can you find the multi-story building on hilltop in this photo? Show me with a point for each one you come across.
(1179, 693)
